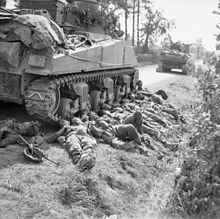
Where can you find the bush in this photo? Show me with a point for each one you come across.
(197, 187)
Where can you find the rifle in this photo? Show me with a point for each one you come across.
(36, 152)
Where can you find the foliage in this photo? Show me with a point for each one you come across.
(105, 17)
(154, 26)
(2, 3)
(218, 25)
(108, 19)
(197, 191)
(17, 3)
(118, 4)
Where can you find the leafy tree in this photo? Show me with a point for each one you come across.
(155, 25)
(197, 187)
(125, 5)
(17, 3)
(2, 3)
(105, 17)
(141, 4)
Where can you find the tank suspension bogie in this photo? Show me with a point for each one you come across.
(127, 83)
(105, 88)
(74, 99)
(109, 85)
(95, 97)
(82, 90)
(122, 87)
(65, 96)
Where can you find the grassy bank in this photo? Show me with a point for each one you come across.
(125, 184)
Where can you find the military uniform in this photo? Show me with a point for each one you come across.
(77, 142)
(136, 120)
(9, 131)
(124, 132)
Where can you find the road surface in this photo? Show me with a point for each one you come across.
(149, 76)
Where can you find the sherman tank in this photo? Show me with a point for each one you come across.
(177, 57)
(59, 61)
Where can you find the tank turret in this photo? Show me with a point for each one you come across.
(176, 57)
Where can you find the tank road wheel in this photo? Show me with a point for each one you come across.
(42, 99)
(95, 100)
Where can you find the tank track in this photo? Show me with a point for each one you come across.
(38, 94)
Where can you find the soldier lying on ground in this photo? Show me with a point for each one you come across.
(9, 131)
(73, 136)
(123, 136)
(141, 93)
(140, 128)
(139, 87)
(136, 120)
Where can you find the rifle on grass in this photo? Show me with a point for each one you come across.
(34, 153)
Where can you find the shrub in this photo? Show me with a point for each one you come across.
(197, 187)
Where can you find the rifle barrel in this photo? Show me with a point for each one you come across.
(42, 156)
(24, 140)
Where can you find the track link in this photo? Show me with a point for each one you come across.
(39, 93)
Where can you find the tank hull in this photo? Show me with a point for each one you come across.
(58, 76)
(174, 60)
(108, 55)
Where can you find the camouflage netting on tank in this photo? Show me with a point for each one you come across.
(10, 52)
(33, 31)
(175, 55)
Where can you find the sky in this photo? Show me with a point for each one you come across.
(193, 19)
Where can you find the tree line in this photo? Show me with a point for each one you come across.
(148, 23)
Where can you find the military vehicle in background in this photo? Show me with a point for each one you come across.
(59, 60)
(176, 57)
